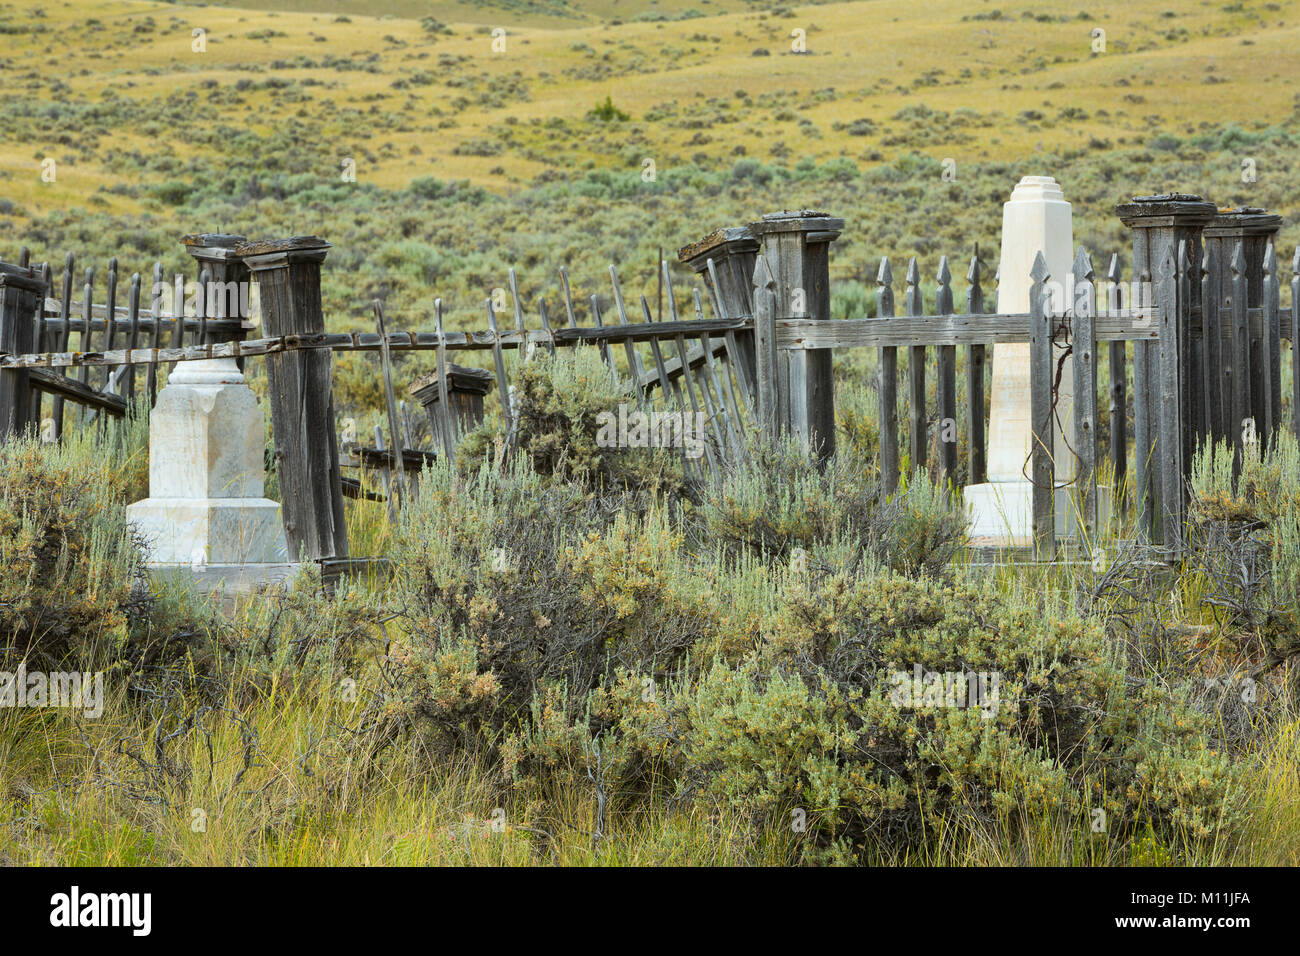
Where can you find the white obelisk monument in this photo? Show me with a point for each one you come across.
(1036, 218)
(206, 507)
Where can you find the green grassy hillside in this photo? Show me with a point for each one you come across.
(119, 80)
(558, 14)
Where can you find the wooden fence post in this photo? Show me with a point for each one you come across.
(228, 291)
(732, 251)
(1239, 398)
(1270, 303)
(287, 272)
(947, 368)
(1041, 379)
(46, 276)
(1212, 418)
(918, 420)
(767, 364)
(1254, 229)
(1084, 352)
(1165, 378)
(1143, 408)
(797, 248)
(975, 362)
(1115, 302)
(1295, 342)
(452, 397)
(1173, 385)
(888, 385)
(20, 291)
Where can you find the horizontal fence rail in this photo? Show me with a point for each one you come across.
(918, 331)
(373, 342)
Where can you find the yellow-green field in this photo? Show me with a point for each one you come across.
(1027, 81)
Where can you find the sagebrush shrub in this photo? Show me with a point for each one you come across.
(777, 500)
(1245, 541)
(302, 632)
(74, 591)
(558, 398)
(811, 720)
(512, 585)
(580, 642)
(70, 569)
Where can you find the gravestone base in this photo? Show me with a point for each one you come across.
(225, 587)
(210, 531)
(227, 580)
(1002, 512)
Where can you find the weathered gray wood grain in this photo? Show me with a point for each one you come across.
(1042, 472)
(975, 366)
(887, 384)
(1083, 353)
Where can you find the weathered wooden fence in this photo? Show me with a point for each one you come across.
(695, 364)
(1200, 324)
(1205, 330)
(131, 326)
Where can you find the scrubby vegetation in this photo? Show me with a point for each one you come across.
(559, 401)
(560, 668)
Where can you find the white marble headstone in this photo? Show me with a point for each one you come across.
(206, 473)
(1036, 218)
